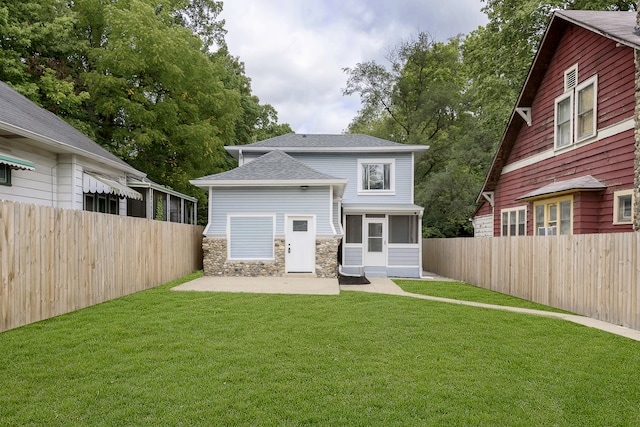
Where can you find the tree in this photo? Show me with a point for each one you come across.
(421, 99)
(151, 81)
(497, 56)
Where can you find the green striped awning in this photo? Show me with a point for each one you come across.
(16, 163)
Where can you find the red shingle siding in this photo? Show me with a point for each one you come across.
(609, 160)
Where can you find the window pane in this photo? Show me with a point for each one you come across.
(387, 176)
(505, 223)
(376, 176)
(512, 223)
(4, 174)
(539, 217)
(563, 123)
(553, 214)
(354, 229)
(624, 208)
(375, 237)
(403, 229)
(113, 205)
(585, 111)
(299, 225)
(521, 222)
(565, 217)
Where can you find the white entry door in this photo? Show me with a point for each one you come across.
(300, 245)
(375, 242)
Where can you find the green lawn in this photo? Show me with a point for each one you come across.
(161, 358)
(466, 292)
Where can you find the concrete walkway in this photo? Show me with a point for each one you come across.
(315, 286)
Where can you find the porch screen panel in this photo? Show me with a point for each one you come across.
(251, 237)
(403, 229)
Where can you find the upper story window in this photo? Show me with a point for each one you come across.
(376, 176)
(514, 221)
(575, 110)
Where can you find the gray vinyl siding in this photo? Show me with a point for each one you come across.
(403, 256)
(278, 201)
(353, 255)
(345, 165)
(251, 237)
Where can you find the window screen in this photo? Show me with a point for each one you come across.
(403, 229)
(354, 229)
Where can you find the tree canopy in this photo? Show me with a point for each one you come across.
(456, 97)
(151, 81)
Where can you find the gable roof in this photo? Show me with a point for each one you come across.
(347, 143)
(19, 116)
(275, 168)
(617, 26)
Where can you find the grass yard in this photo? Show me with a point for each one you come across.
(466, 292)
(358, 359)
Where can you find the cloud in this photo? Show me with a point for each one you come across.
(295, 51)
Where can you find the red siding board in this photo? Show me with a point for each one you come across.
(609, 160)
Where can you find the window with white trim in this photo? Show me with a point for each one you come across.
(376, 176)
(623, 207)
(575, 114)
(514, 221)
(554, 216)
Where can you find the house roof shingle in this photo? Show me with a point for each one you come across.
(275, 166)
(20, 116)
(324, 142)
(617, 26)
(581, 183)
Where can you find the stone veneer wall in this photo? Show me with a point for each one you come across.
(327, 257)
(215, 261)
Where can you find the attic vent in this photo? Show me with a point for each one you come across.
(571, 78)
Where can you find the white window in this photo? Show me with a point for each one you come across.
(514, 221)
(376, 176)
(564, 121)
(623, 207)
(586, 109)
(575, 116)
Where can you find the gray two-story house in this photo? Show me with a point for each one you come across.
(315, 204)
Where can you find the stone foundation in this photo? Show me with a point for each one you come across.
(215, 261)
(327, 258)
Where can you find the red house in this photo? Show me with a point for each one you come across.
(565, 164)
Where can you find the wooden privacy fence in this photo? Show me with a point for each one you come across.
(596, 275)
(54, 261)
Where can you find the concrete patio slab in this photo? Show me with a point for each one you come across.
(263, 285)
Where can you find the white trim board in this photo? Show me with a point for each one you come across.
(607, 132)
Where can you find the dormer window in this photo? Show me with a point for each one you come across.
(376, 176)
(575, 110)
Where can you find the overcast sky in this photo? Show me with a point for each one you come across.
(294, 50)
